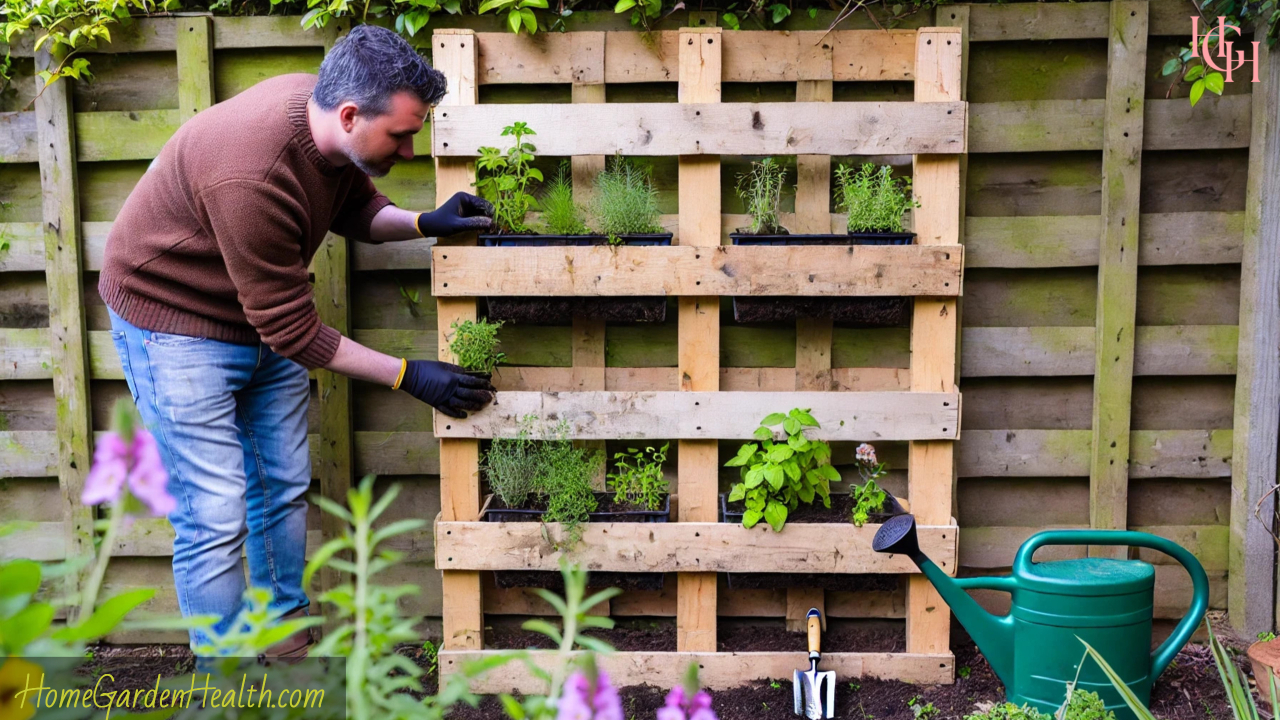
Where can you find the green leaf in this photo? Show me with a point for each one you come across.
(1126, 694)
(624, 5)
(791, 425)
(28, 624)
(730, 21)
(754, 476)
(512, 707)
(751, 517)
(531, 23)
(106, 617)
(775, 476)
(779, 12)
(539, 625)
(775, 513)
(322, 556)
(773, 419)
(763, 433)
(488, 5)
(534, 3)
(513, 22)
(738, 492)
(781, 453)
(813, 13)
(19, 577)
(799, 443)
(1192, 74)
(805, 418)
(1214, 83)
(1197, 91)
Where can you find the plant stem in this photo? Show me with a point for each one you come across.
(356, 672)
(90, 596)
(572, 601)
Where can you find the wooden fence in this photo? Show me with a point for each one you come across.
(1102, 385)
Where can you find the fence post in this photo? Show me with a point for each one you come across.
(1252, 569)
(64, 266)
(195, 65)
(699, 337)
(455, 55)
(1117, 269)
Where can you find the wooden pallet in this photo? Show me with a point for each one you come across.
(698, 271)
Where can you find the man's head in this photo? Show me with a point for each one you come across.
(377, 90)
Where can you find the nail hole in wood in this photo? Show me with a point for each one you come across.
(928, 42)
(448, 427)
(709, 41)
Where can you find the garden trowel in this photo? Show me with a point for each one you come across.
(815, 692)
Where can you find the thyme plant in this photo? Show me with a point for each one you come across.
(874, 200)
(761, 191)
(626, 201)
(561, 214)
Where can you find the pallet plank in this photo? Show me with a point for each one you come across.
(695, 271)
(654, 129)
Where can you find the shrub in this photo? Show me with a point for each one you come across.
(474, 343)
(778, 476)
(761, 191)
(874, 200)
(638, 479)
(560, 214)
(503, 179)
(625, 201)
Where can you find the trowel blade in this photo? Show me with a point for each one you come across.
(819, 689)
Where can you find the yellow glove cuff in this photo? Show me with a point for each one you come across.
(404, 365)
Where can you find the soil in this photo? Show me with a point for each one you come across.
(826, 581)
(629, 635)
(840, 511)
(605, 504)
(851, 311)
(560, 310)
(840, 636)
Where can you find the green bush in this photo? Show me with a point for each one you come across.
(761, 191)
(874, 200)
(778, 476)
(561, 215)
(638, 479)
(474, 343)
(625, 201)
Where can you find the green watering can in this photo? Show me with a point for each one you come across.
(1107, 603)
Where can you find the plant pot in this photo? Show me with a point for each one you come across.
(838, 513)
(561, 310)
(1265, 657)
(854, 311)
(553, 580)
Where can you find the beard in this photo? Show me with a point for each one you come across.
(370, 167)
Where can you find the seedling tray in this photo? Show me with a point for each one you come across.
(553, 580)
(856, 311)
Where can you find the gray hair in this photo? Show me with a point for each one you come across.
(370, 65)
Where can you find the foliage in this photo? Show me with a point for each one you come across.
(761, 191)
(503, 179)
(549, 468)
(874, 200)
(1262, 16)
(643, 12)
(518, 13)
(868, 497)
(778, 476)
(626, 202)
(1085, 705)
(637, 479)
(1266, 636)
(561, 215)
(511, 466)
(474, 343)
(922, 711)
(1009, 711)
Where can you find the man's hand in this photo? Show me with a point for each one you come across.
(446, 387)
(463, 212)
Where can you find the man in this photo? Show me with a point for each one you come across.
(212, 313)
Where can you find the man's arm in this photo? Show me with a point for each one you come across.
(392, 224)
(443, 386)
(361, 363)
(463, 212)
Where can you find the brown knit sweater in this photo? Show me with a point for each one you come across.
(215, 239)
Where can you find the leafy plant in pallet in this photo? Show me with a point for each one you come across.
(874, 200)
(778, 476)
(761, 191)
(518, 14)
(625, 201)
(475, 345)
(561, 214)
(868, 497)
(505, 177)
(637, 479)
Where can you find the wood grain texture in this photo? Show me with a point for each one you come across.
(1251, 582)
(700, 547)
(60, 208)
(701, 128)
(195, 65)
(1118, 267)
(685, 270)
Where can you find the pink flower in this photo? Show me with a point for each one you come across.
(679, 707)
(580, 702)
(137, 464)
(866, 454)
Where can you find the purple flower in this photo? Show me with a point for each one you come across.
(136, 464)
(580, 702)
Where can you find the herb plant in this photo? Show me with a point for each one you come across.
(761, 191)
(868, 497)
(474, 343)
(778, 476)
(874, 200)
(504, 179)
(511, 467)
(1009, 711)
(561, 215)
(549, 469)
(626, 201)
(638, 479)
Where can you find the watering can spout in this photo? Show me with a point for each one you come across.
(992, 634)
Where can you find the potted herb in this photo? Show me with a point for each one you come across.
(626, 208)
(875, 202)
(871, 503)
(547, 479)
(638, 484)
(475, 345)
(784, 476)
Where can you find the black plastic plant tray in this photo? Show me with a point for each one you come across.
(561, 310)
(825, 581)
(553, 580)
(855, 311)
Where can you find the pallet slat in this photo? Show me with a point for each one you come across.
(656, 129)
(697, 271)
(682, 547)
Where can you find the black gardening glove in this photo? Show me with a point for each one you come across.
(446, 387)
(463, 212)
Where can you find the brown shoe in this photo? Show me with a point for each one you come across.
(293, 649)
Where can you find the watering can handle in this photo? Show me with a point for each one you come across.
(1164, 654)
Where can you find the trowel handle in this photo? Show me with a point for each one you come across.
(1164, 654)
(815, 630)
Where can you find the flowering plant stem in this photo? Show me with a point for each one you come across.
(115, 523)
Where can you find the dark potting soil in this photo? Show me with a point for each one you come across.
(604, 504)
(560, 310)
(839, 637)
(634, 635)
(826, 581)
(841, 511)
(854, 311)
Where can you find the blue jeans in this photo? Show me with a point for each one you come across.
(231, 423)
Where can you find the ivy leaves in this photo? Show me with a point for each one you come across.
(779, 475)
